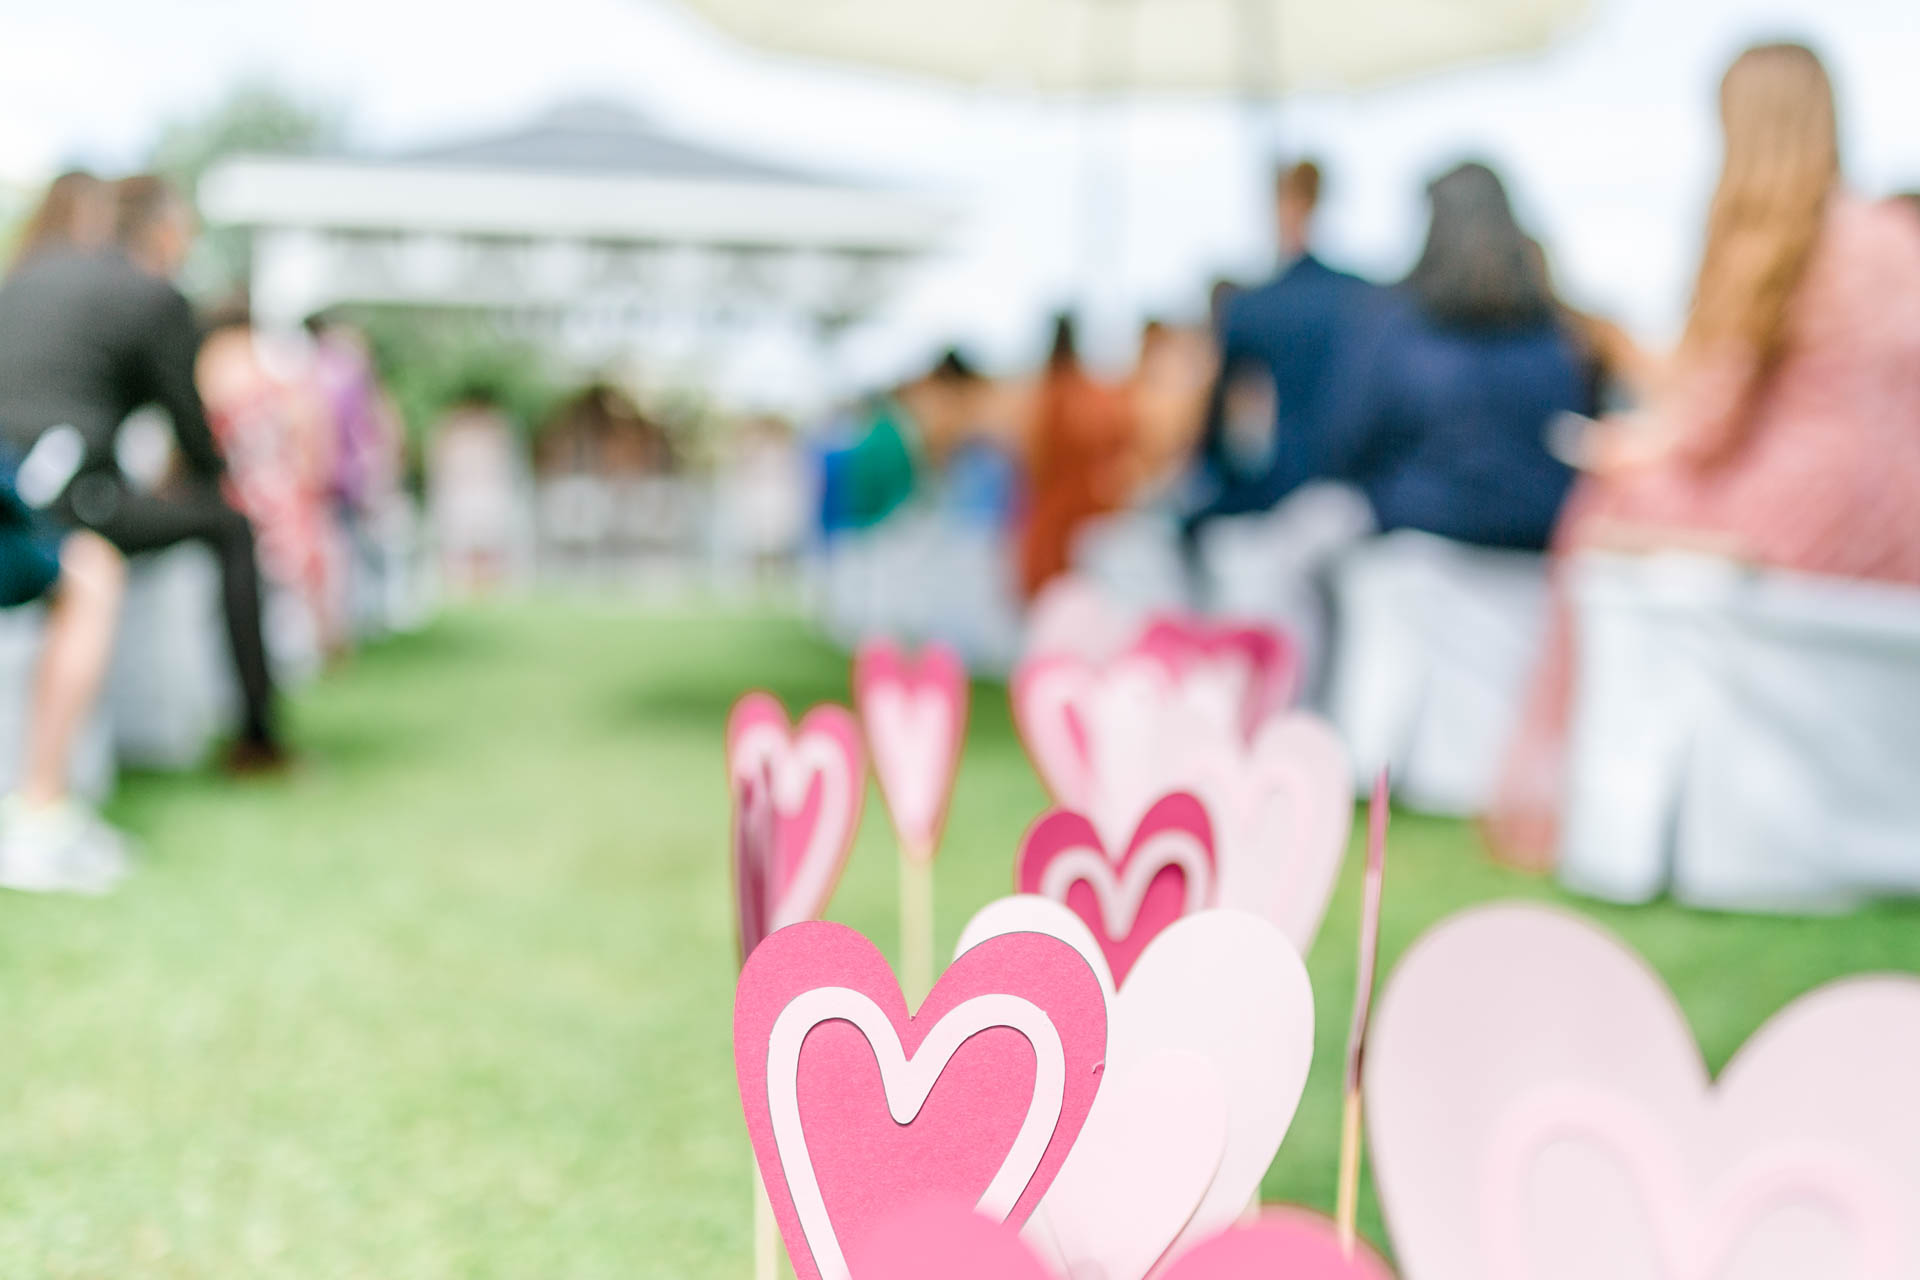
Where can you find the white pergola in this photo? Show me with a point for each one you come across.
(585, 228)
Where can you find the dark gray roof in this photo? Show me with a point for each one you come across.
(600, 138)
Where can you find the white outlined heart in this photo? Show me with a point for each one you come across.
(821, 756)
(907, 1082)
(1121, 894)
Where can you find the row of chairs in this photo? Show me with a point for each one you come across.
(1740, 739)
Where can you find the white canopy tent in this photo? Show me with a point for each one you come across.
(586, 229)
(1190, 46)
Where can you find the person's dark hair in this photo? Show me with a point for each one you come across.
(1299, 181)
(1911, 199)
(139, 202)
(232, 313)
(1064, 353)
(1478, 268)
(73, 199)
(953, 366)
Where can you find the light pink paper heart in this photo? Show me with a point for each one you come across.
(1538, 1108)
(1223, 986)
(1109, 740)
(857, 1111)
(1075, 617)
(1166, 872)
(1256, 666)
(819, 784)
(915, 715)
(941, 1240)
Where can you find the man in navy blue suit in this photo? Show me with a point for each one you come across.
(1281, 345)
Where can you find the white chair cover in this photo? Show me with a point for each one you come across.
(1759, 731)
(1434, 643)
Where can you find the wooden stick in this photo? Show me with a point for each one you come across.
(1348, 1204)
(766, 1240)
(916, 926)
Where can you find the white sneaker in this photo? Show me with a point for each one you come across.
(62, 848)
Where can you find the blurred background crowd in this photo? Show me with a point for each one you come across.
(455, 369)
(419, 421)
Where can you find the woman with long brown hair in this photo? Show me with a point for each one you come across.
(1787, 429)
(75, 213)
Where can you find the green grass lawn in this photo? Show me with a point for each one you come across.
(455, 999)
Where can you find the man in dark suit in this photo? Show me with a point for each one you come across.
(88, 336)
(1281, 345)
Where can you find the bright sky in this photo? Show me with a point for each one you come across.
(1607, 139)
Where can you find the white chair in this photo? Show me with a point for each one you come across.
(1273, 566)
(1134, 557)
(1750, 740)
(1434, 642)
(90, 767)
(171, 688)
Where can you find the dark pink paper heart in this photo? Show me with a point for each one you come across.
(1263, 661)
(1007, 1049)
(817, 778)
(1168, 871)
(942, 1240)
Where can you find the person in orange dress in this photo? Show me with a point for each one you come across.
(1787, 432)
(1080, 460)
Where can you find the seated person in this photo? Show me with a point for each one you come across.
(1787, 433)
(1281, 345)
(48, 840)
(86, 337)
(1440, 416)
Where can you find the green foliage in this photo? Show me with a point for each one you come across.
(454, 999)
(432, 361)
(254, 117)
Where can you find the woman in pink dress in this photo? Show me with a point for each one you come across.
(1788, 431)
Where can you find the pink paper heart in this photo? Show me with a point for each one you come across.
(819, 784)
(915, 715)
(1257, 666)
(1538, 1108)
(755, 841)
(1284, 1243)
(941, 1240)
(1167, 872)
(1109, 740)
(857, 1111)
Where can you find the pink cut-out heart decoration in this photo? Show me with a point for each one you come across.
(1254, 667)
(819, 783)
(1225, 987)
(915, 715)
(1074, 616)
(1108, 741)
(857, 1111)
(1538, 1108)
(1166, 872)
(942, 1240)
(755, 837)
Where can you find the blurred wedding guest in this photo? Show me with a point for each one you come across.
(1080, 444)
(271, 420)
(899, 437)
(1281, 345)
(49, 840)
(1785, 433)
(1171, 379)
(1441, 416)
(75, 214)
(85, 339)
(477, 495)
(367, 435)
